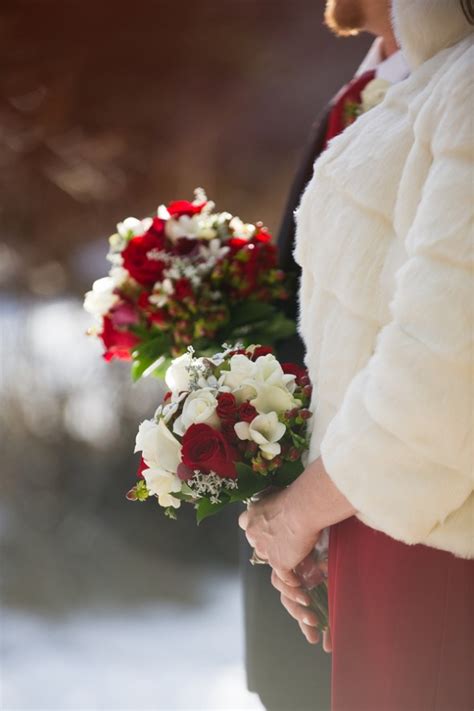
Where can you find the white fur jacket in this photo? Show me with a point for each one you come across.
(385, 241)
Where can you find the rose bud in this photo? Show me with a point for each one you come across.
(293, 454)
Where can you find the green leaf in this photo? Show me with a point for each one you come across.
(287, 473)
(249, 482)
(247, 312)
(154, 347)
(278, 328)
(147, 353)
(204, 509)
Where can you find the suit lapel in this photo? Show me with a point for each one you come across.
(286, 234)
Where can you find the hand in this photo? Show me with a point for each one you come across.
(285, 526)
(297, 601)
(273, 530)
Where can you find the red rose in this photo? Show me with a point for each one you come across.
(247, 412)
(261, 351)
(293, 369)
(185, 246)
(228, 431)
(118, 344)
(144, 300)
(159, 317)
(206, 449)
(182, 289)
(137, 261)
(178, 208)
(262, 235)
(157, 229)
(124, 315)
(226, 406)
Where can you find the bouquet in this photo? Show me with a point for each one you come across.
(187, 275)
(231, 426)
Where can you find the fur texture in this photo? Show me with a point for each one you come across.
(424, 27)
(384, 236)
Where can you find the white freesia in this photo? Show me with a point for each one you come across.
(158, 446)
(269, 371)
(101, 299)
(130, 227)
(163, 484)
(177, 375)
(183, 226)
(246, 391)
(199, 407)
(213, 251)
(119, 275)
(241, 369)
(264, 430)
(273, 398)
(241, 229)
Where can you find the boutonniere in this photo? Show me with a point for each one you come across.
(371, 95)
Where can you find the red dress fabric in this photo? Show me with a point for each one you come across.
(402, 624)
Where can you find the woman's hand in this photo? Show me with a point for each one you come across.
(284, 527)
(274, 529)
(296, 602)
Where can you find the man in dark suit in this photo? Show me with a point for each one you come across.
(286, 672)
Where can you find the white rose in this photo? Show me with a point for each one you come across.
(374, 93)
(273, 398)
(264, 430)
(100, 300)
(199, 407)
(177, 376)
(241, 369)
(158, 446)
(163, 484)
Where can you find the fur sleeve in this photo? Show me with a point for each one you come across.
(401, 445)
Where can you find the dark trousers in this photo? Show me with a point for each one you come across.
(282, 668)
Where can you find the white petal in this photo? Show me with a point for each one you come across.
(242, 430)
(166, 500)
(272, 398)
(269, 451)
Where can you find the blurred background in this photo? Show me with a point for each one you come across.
(106, 110)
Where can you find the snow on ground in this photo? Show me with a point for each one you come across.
(157, 658)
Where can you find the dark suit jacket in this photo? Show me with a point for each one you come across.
(287, 672)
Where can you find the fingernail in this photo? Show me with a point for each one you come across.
(303, 601)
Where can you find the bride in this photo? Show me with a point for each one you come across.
(384, 238)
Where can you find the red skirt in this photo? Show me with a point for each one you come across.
(402, 624)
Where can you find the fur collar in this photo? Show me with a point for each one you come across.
(425, 27)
